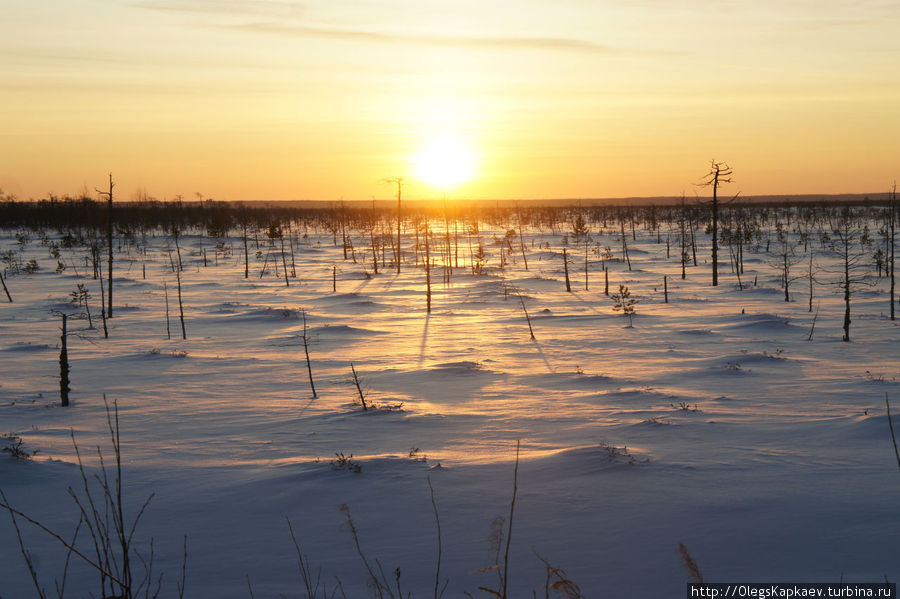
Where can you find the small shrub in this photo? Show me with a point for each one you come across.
(342, 462)
(620, 454)
(14, 447)
(876, 378)
(623, 302)
(686, 407)
(415, 456)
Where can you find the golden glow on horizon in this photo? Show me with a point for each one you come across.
(285, 100)
(445, 162)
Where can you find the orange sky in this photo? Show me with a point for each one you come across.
(280, 100)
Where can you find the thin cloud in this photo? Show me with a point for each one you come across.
(225, 7)
(552, 43)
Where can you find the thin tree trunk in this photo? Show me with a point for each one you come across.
(168, 327)
(787, 267)
(625, 245)
(246, 252)
(103, 310)
(527, 318)
(693, 241)
(893, 217)
(427, 270)
(178, 281)
(715, 232)
(810, 281)
(306, 350)
(585, 264)
(9, 297)
(109, 243)
(63, 366)
(343, 230)
(362, 396)
(846, 288)
(521, 239)
(287, 283)
(399, 187)
(374, 248)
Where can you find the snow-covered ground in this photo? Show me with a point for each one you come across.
(712, 421)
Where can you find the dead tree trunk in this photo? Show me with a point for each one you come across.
(399, 182)
(103, 310)
(343, 230)
(625, 244)
(246, 252)
(287, 283)
(892, 215)
(719, 173)
(362, 396)
(177, 268)
(306, 351)
(6, 291)
(109, 245)
(427, 270)
(521, 239)
(168, 327)
(63, 366)
(810, 275)
(585, 264)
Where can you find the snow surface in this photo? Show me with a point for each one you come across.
(767, 455)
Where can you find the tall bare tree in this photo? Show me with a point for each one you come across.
(399, 182)
(719, 173)
(109, 245)
(849, 240)
(5, 290)
(892, 216)
(784, 258)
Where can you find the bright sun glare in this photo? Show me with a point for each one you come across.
(445, 162)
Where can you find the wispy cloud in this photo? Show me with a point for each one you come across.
(226, 7)
(468, 41)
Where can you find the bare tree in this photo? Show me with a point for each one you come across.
(399, 182)
(719, 172)
(684, 254)
(624, 243)
(109, 245)
(427, 269)
(5, 290)
(177, 267)
(892, 217)
(849, 241)
(81, 297)
(785, 258)
(63, 365)
(306, 350)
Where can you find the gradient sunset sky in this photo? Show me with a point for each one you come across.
(282, 100)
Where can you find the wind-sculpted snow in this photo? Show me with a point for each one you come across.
(712, 420)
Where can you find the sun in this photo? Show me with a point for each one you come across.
(445, 162)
